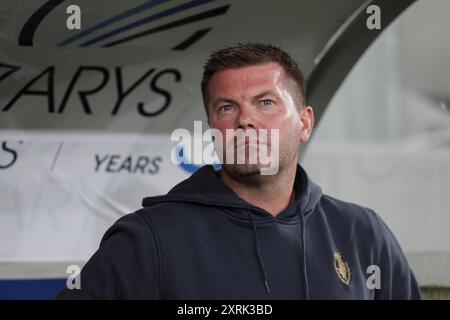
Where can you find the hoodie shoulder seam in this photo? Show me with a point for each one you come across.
(346, 202)
(368, 212)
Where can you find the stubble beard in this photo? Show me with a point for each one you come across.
(250, 174)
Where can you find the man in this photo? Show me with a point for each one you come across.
(240, 234)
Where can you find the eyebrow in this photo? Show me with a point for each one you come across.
(255, 98)
(222, 99)
(265, 93)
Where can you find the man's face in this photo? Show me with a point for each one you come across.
(258, 97)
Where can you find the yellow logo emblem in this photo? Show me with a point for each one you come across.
(342, 268)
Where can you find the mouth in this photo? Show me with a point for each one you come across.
(249, 142)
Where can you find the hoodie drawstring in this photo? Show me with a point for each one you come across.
(258, 253)
(303, 248)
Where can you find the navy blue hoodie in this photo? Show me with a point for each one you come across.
(201, 241)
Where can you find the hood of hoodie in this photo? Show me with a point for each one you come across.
(206, 188)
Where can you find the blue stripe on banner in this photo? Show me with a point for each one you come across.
(152, 18)
(126, 14)
(29, 289)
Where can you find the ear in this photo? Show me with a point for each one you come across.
(209, 124)
(307, 120)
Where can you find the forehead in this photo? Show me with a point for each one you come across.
(249, 79)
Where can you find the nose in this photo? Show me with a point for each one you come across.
(246, 118)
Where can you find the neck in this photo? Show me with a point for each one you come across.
(272, 193)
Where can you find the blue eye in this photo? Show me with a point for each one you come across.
(266, 102)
